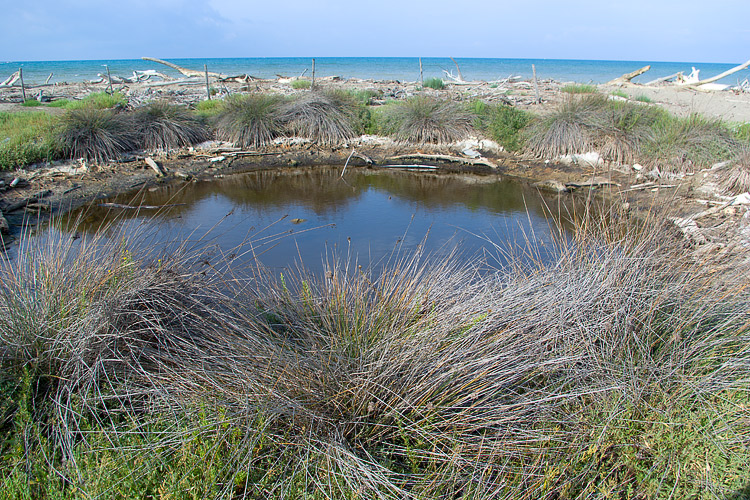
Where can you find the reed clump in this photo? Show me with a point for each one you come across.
(326, 117)
(611, 366)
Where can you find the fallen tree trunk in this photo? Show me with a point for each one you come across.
(453, 159)
(664, 79)
(629, 76)
(724, 74)
(12, 79)
(184, 71)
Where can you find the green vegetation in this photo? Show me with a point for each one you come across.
(59, 103)
(579, 89)
(206, 110)
(98, 100)
(620, 93)
(301, 84)
(617, 371)
(737, 180)
(434, 83)
(164, 126)
(97, 134)
(31, 103)
(643, 98)
(250, 120)
(423, 119)
(502, 123)
(327, 117)
(25, 138)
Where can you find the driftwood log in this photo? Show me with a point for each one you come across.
(626, 78)
(453, 159)
(184, 71)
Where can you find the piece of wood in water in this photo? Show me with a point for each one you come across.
(139, 207)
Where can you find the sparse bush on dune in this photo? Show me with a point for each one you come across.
(250, 120)
(423, 119)
(97, 134)
(623, 130)
(164, 126)
(614, 367)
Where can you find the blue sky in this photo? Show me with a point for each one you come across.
(656, 30)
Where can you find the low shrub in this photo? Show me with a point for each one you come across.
(207, 110)
(423, 119)
(164, 126)
(434, 83)
(31, 103)
(97, 134)
(249, 120)
(504, 124)
(26, 138)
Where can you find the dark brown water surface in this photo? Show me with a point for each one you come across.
(304, 214)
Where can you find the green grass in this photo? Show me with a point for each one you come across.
(579, 89)
(643, 98)
(620, 93)
(59, 103)
(206, 110)
(31, 103)
(98, 100)
(25, 138)
(434, 83)
(301, 84)
(618, 370)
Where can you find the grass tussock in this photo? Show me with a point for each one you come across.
(326, 117)
(502, 123)
(27, 138)
(568, 129)
(97, 100)
(250, 120)
(423, 119)
(616, 368)
(164, 126)
(96, 134)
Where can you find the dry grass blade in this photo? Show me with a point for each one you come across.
(735, 179)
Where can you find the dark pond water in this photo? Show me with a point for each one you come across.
(304, 215)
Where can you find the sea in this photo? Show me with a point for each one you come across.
(402, 69)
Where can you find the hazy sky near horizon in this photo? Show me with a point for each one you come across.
(650, 30)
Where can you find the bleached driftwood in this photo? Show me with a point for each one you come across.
(454, 159)
(160, 172)
(184, 71)
(629, 76)
(11, 79)
(664, 79)
(182, 81)
(724, 74)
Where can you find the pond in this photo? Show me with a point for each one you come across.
(286, 217)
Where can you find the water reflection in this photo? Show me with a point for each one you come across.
(368, 214)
